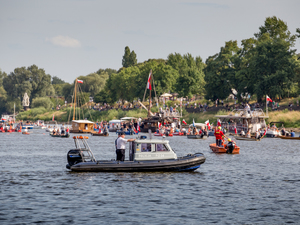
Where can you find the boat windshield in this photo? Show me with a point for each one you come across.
(148, 147)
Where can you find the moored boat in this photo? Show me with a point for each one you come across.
(289, 137)
(60, 135)
(100, 134)
(144, 156)
(222, 149)
(191, 136)
(247, 139)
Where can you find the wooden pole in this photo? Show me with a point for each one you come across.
(74, 98)
(266, 106)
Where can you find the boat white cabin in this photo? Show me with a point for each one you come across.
(151, 149)
(243, 120)
(115, 125)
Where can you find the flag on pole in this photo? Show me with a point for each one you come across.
(138, 126)
(269, 99)
(149, 81)
(183, 121)
(80, 81)
(53, 117)
(159, 125)
(219, 122)
(207, 124)
(265, 132)
(235, 130)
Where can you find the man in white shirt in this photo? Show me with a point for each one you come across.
(121, 146)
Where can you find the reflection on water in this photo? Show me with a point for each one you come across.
(261, 185)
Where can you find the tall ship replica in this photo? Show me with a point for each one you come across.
(79, 125)
(242, 119)
(151, 122)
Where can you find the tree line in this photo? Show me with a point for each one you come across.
(265, 64)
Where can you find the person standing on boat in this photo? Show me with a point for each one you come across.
(63, 129)
(257, 134)
(219, 136)
(121, 145)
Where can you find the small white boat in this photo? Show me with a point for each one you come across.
(49, 129)
(144, 156)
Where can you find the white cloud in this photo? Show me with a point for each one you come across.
(64, 41)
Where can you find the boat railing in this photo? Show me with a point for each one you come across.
(85, 147)
(244, 112)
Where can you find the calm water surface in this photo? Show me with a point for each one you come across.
(261, 185)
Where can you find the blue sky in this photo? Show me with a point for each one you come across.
(73, 38)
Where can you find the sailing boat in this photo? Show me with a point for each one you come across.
(152, 121)
(80, 126)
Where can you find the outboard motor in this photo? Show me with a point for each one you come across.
(74, 157)
(230, 147)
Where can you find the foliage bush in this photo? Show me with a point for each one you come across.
(42, 102)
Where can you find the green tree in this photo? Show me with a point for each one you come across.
(109, 71)
(56, 80)
(32, 80)
(129, 58)
(273, 65)
(273, 68)
(190, 79)
(42, 102)
(93, 83)
(3, 94)
(103, 97)
(220, 72)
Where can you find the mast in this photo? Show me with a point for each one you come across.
(266, 106)
(149, 103)
(75, 87)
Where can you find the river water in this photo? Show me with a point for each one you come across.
(261, 185)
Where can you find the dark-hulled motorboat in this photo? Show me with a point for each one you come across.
(145, 155)
(60, 135)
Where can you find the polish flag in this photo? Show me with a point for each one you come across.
(265, 132)
(149, 81)
(183, 121)
(235, 131)
(207, 124)
(138, 127)
(80, 81)
(159, 125)
(219, 122)
(269, 99)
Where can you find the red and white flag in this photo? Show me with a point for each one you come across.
(269, 99)
(80, 81)
(159, 125)
(265, 132)
(138, 126)
(149, 81)
(183, 121)
(207, 124)
(219, 122)
(235, 131)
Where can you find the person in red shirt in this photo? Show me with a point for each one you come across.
(219, 136)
